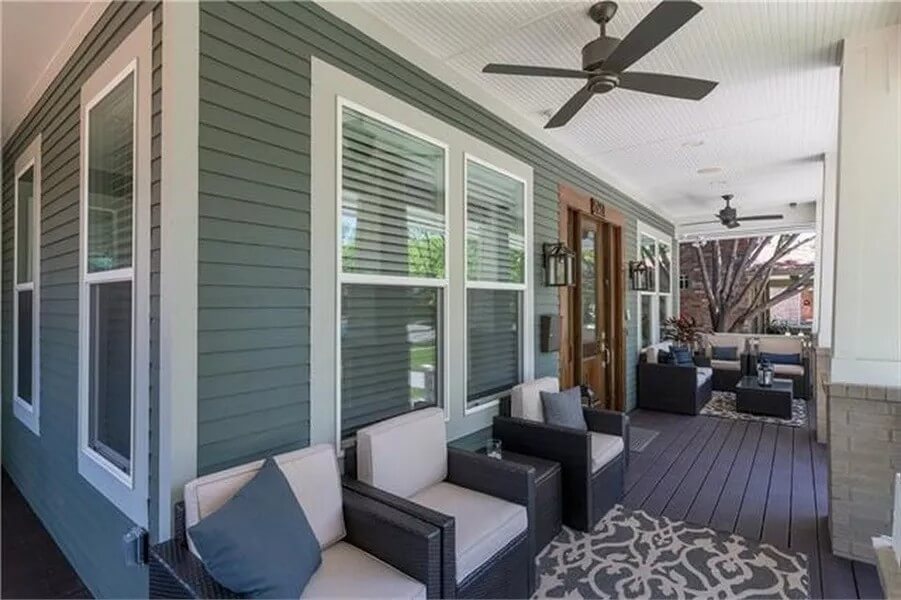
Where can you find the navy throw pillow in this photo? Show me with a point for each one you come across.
(725, 353)
(780, 359)
(260, 542)
(665, 358)
(564, 409)
(683, 357)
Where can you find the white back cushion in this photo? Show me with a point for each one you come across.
(525, 399)
(780, 345)
(312, 474)
(650, 352)
(405, 454)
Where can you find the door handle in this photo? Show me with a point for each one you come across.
(607, 355)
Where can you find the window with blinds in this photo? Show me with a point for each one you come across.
(495, 281)
(392, 280)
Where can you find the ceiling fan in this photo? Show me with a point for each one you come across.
(728, 216)
(605, 60)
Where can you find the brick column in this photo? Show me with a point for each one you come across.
(864, 454)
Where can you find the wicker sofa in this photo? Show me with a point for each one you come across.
(369, 549)
(484, 508)
(593, 463)
(670, 387)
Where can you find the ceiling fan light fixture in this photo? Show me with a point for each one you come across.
(709, 170)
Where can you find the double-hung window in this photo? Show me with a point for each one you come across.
(114, 276)
(655, 305)
(392, 284)
(495, 280)
(26, 293)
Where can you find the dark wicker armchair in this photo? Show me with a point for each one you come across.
(593, 463)
(670, 387)
(485, 508)
(406, 543)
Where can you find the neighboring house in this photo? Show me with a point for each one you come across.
(177, 297)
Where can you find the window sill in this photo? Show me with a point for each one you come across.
(28, 415)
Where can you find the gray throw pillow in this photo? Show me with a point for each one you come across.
(564, 408)
(260, 542)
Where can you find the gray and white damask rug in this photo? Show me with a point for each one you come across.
(631, 554)
(722, 405)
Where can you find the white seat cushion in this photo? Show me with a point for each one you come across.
(704, 373)
(348, 572)
(781, 369)
(525, 399)
(483, 524)
(604, 448)
(312, 474)
(405, 454)
(725, 365)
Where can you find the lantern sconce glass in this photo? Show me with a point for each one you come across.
(558, 265)
(639, 276)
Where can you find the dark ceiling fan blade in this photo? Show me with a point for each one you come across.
(531, 71)
(701, 223)
(568, 110)
(760, 218)
(662, 22)
(674, 86)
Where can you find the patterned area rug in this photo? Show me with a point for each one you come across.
(631, 554)
(722, 404)
(639, 438)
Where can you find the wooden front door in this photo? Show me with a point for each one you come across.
(593, 300)
(593, 342)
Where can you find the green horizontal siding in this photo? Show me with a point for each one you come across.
(255, 184)
(85, 525)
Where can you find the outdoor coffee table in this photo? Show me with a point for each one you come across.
(772, 401)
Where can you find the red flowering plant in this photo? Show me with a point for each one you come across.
(684, 330)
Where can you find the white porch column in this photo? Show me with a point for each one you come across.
(867, 312)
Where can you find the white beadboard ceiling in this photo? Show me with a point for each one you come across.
(766, 125)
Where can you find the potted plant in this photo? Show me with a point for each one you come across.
(683, 331)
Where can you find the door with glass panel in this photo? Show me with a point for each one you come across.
(592, 309)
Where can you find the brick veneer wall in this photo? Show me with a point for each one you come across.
(864, 454)
(693, 301)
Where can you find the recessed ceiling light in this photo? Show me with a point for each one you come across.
(719, 183)
(693, 143)
(709, 170)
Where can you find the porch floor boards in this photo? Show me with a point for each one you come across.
(763, 481)
(33, 565)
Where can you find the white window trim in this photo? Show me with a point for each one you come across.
(128, 491)
(493, 400)
(645, 230)
(330, 83)
(372, 279)
(28, 414)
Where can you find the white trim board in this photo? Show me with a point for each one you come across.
(177, 424)
(397, 42)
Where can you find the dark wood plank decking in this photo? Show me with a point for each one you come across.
(765, 482)
(33, 565)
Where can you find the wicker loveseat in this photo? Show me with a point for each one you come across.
(593, 463)
(369, 550)
(784, 345)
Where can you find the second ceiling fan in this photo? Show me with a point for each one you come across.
(605, 60)
(728, 216)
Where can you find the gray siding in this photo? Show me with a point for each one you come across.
(254, 211)
(86, 526)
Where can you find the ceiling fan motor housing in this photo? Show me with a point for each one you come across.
(595, 52)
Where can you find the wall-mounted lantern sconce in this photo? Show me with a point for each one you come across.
(639, 276)
(558, 265)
